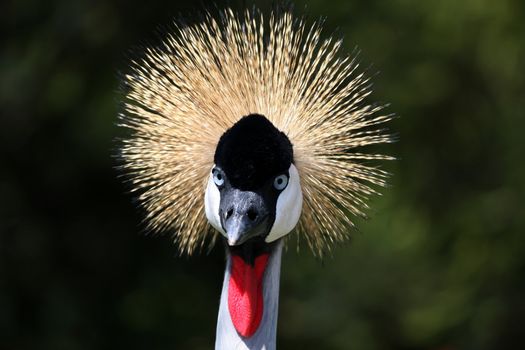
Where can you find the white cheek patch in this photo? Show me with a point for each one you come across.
(212, 201)
(288, 208)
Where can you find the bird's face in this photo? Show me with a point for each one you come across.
(254, 189)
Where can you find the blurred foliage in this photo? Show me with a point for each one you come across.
(440, 265)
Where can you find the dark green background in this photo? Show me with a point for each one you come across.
(440, 265)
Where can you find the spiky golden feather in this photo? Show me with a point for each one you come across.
(183, 95)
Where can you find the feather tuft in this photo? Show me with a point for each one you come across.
(181, 96)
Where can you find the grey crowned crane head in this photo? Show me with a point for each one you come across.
(254, 189)
(250, 126)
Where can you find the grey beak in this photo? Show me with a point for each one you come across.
(243, 215)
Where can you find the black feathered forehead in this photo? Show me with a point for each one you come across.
(253, 151)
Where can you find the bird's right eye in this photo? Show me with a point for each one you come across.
(218, 177)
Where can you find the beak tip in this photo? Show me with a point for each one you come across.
(233, 240)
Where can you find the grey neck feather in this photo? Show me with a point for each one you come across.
(265, 336)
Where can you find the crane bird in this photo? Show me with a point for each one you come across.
(244, 128)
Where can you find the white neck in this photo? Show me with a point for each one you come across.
(265, 336)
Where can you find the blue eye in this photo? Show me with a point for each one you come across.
(280, 182)
(218, 177)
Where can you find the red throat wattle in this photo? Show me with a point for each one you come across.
(245, 294)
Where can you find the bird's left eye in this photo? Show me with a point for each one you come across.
(218, 177)
(280, 182)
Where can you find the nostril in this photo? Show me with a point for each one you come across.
(252, 214)
(229, 213)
